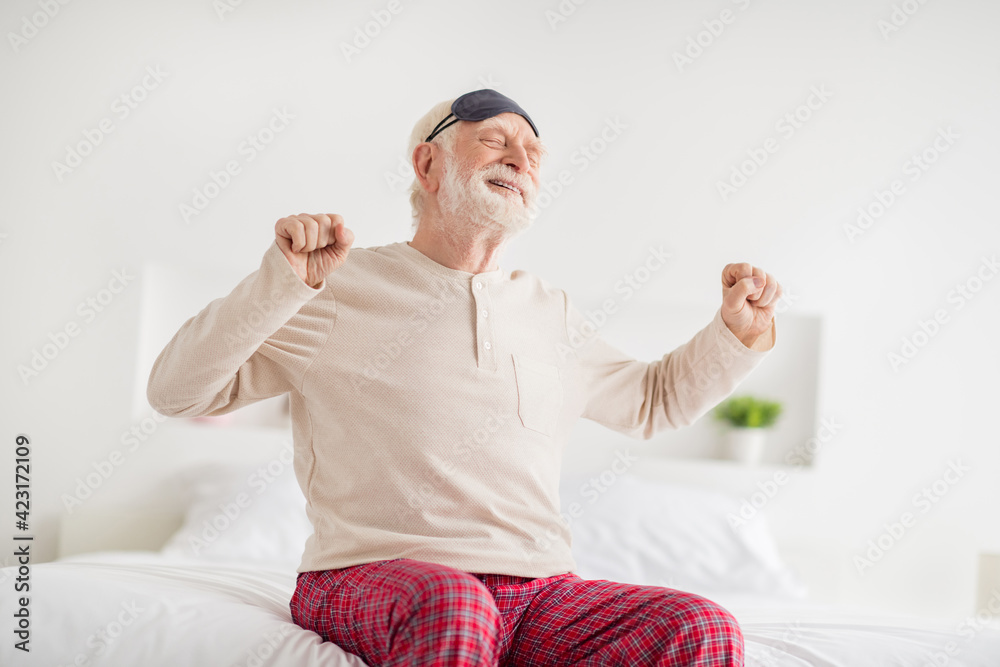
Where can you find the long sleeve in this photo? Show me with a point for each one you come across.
(641, 398)
(250, 345)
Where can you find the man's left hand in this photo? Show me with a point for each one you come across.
(749, 297)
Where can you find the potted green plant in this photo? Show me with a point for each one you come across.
(748, 419)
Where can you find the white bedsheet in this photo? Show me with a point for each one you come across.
(192, 614)
(789, 633)
(158, 612)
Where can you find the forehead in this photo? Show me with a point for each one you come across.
(510, 123)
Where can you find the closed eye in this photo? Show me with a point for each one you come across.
(534, 158)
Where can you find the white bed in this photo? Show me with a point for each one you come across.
(206, 614)
(220, 599)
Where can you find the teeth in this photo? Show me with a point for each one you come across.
(504, 185)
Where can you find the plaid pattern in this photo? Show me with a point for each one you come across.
(405, 612)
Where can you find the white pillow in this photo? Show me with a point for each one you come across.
(249, 513)
(642, 532)
(633, 531)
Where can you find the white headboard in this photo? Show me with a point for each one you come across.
(140, 506)
(789, 374)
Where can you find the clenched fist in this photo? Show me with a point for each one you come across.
(315, 245)
(749, 297)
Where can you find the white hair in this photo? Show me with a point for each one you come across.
(445, 140)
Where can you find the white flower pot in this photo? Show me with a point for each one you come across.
(745, 445)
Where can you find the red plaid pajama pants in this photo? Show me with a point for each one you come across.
(408, 613)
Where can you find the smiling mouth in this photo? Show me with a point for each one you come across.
(506, 186)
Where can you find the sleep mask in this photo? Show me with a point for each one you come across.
(480, 105)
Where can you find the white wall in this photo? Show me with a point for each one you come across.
(681, 132)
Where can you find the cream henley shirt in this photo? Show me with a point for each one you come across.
(430, 406)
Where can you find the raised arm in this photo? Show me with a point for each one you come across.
(641, 398)
(249, 345)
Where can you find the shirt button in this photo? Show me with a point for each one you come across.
(486, 313)
(487, 345)
(479, 285)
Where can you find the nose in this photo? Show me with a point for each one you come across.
(517, 158)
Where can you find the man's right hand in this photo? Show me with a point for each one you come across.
(315, 245)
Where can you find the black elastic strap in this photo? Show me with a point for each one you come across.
(439, 127)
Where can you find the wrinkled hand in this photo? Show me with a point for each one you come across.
(315, 245)
(749, 297)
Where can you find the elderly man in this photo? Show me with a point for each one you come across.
(432, 394)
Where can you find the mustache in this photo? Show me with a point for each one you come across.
(504, 172)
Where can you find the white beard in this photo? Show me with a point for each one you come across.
(470, 203)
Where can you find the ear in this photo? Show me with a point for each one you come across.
(427, 160)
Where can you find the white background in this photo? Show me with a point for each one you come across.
(685, 128)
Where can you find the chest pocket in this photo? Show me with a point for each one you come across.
(539, 394)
